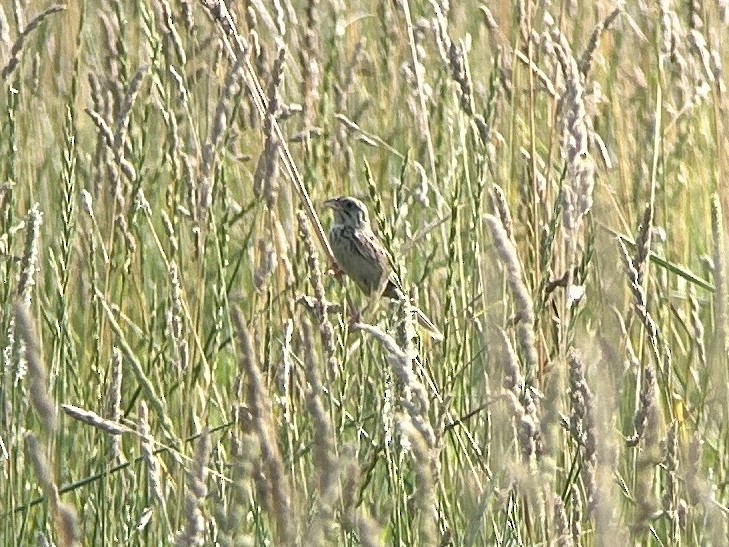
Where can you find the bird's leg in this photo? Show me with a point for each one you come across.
(371, 306)
(376, 296)
(354, 314)
(335, 271)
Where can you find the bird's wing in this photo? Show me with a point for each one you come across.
(375, 255)
(389, 284)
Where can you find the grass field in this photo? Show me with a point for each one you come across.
(180, 364)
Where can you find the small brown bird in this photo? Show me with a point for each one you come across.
(363, 258)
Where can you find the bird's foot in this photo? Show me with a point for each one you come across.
(355, 316)
(335, 271)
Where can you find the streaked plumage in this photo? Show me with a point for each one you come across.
(362, 257)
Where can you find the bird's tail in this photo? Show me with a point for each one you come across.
(394, 290)
(427, 324)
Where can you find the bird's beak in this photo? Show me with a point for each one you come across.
(333, 204)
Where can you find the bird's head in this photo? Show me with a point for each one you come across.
(349, 211)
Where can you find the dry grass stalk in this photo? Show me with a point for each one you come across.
(660, 352)
(40, 398)
(175, 320)
(415, 399)
(94, 420)
(324, 449)
(212, 143)
(582, 426)
(15, 356)
(521, 404)
(342, 93)
(320, 310)
(183, 94)
(669, 39)
(257, 51)
(267, 262)
(265, 178)
(577, 515)
(698, 327)
(455, 56)
(17, 48)
(41, 467)
(114, 401)
(220, 14)
(563, 536)
(670, 497)
(284, 249)
(29, 260)
(523, 306)
(125, 109)
(645, 419)
(120, 219)
(65, 519)
(310, 75)
(147, 387)
(546, 82)
(261, 421)
(169, 29)
(284, 373)
(501, 206)
(146, 443)
(87, 205)
(105, 132)
(338, 459)
(587, 55)
(193, 533)
(4, 31)
(231, 514)
(721, 295)
(425, 489)
(575, 126)
(643, 244)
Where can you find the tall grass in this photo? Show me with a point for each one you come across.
(181, 366)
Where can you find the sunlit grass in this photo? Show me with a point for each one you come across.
(180, 366)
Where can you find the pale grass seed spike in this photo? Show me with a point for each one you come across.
(363, 258)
